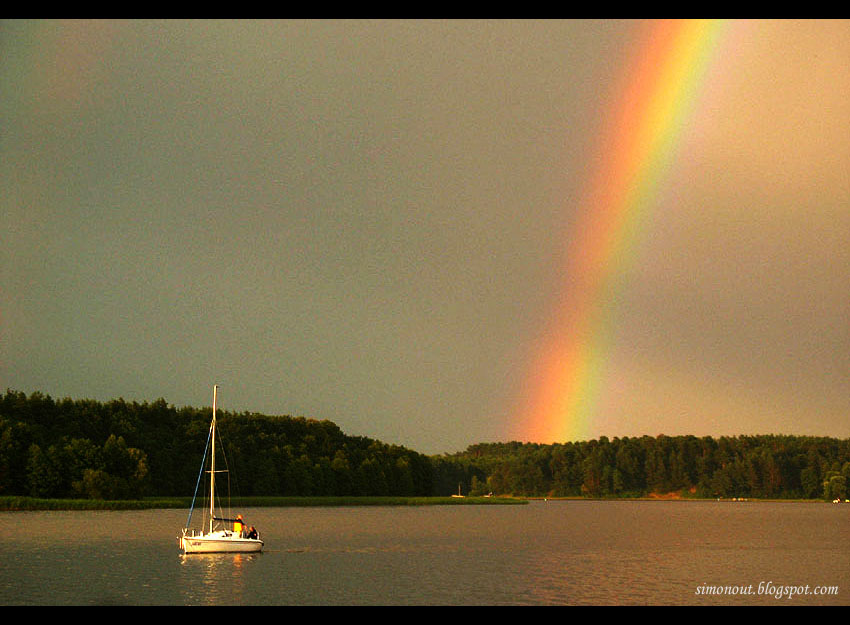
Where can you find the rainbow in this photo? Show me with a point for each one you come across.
(638, 144)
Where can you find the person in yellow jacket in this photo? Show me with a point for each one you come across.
(237, 525)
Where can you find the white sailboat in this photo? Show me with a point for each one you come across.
(218, 538)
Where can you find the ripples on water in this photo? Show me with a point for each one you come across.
(545, 553)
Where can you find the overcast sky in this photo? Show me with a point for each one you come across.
(362, 222)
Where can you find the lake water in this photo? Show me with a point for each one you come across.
(544, 553)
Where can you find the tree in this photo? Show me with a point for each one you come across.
(98, 484)
(810, 482)
(835, 486)
(44, 472)
(404, 485)
(16, 439)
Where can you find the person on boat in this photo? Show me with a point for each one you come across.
(237, 525)
(253, 533)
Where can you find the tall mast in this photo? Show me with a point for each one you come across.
(212, 461)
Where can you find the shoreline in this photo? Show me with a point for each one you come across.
(683, 499)
(31, 504)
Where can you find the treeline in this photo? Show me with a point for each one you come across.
(766, 467)
(127, 450)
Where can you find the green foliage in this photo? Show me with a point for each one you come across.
(118, 451)
(768, 466)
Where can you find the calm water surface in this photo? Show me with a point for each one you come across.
(545, 553)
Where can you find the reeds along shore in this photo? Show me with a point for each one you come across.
(11, 504)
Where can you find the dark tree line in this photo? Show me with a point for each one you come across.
(118, 449)
(765, 466)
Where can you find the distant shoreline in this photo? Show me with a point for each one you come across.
(683, 499)
(22, 504)
(32, 504)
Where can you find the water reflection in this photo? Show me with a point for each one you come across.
(565, 553)
(216, 578)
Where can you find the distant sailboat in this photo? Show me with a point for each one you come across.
(217, 538)
(458, 491)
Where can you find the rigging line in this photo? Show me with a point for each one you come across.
(200, 474)
(227, 470)
(222, 505)
(230, 473)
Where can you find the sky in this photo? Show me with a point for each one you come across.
(389, 224)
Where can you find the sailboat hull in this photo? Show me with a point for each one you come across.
(219, 542)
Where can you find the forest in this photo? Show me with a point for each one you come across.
(66, 448)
